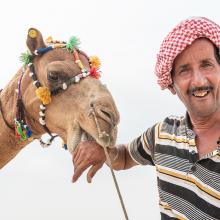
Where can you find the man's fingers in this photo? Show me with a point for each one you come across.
(79, 170)
(85, 155)
(92, 171)
(77, 158)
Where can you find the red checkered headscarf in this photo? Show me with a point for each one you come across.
(178, 39)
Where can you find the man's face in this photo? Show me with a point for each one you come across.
(196, 78)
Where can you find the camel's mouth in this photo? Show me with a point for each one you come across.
(100, 126)
(86, 136)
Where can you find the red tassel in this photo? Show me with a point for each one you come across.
(16, 133)
(95, 73)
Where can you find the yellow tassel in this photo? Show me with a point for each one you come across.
(95, 61)
(59, 45)
(49, 39)
(80, 64)
(43, 93)
(30, 138)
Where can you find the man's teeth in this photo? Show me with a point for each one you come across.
(200, 93)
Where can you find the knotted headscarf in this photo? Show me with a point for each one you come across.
(178, 39)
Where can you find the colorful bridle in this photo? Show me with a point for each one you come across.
(22, 131)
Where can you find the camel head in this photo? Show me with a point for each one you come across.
(61, 84)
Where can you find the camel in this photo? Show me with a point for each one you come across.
(57, 91)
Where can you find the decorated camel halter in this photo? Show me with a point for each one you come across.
(22, 131)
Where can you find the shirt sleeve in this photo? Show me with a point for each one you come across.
(141, 149)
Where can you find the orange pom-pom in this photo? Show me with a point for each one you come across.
(94, 61)
(49, 40)
(43, 93)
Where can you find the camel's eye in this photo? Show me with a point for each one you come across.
(53, 76)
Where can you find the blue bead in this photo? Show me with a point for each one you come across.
(65, 146)
(44, 50)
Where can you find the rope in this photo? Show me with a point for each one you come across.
(110, 166)
(116, 183)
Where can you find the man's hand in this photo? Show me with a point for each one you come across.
(88, 153)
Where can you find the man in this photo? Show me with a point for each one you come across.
(185, 150)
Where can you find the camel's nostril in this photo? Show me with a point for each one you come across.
(106, 113)
(104, 110)
(108, 116)
(92, 105)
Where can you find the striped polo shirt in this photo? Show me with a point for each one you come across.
(189, 186)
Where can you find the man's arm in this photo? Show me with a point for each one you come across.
(120, 158)
(90, 154)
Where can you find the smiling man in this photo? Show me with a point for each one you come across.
(186, 149)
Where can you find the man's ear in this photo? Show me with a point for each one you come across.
(34, 40)
(172, 90)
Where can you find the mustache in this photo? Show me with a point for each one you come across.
(201, 88)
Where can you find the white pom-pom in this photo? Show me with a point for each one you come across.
(64, 86)
(84, 73)
(31, 74)
(77, 79)
(35, 52)
(41, 113)
(42, 122)
(42, 107)
(34, 83)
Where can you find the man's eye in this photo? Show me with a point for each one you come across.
(183, 71)
(206, 65)
(53, 76)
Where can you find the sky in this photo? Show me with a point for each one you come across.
(126, 35)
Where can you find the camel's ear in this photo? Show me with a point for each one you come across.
(172, 90)
(34, 40)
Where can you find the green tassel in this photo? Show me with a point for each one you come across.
(25, 58)
(20, 130)
(72, 44)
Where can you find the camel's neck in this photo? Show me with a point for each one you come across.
(10, 145)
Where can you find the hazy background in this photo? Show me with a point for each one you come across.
(126, 35)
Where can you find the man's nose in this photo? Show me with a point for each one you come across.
(199, 79)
